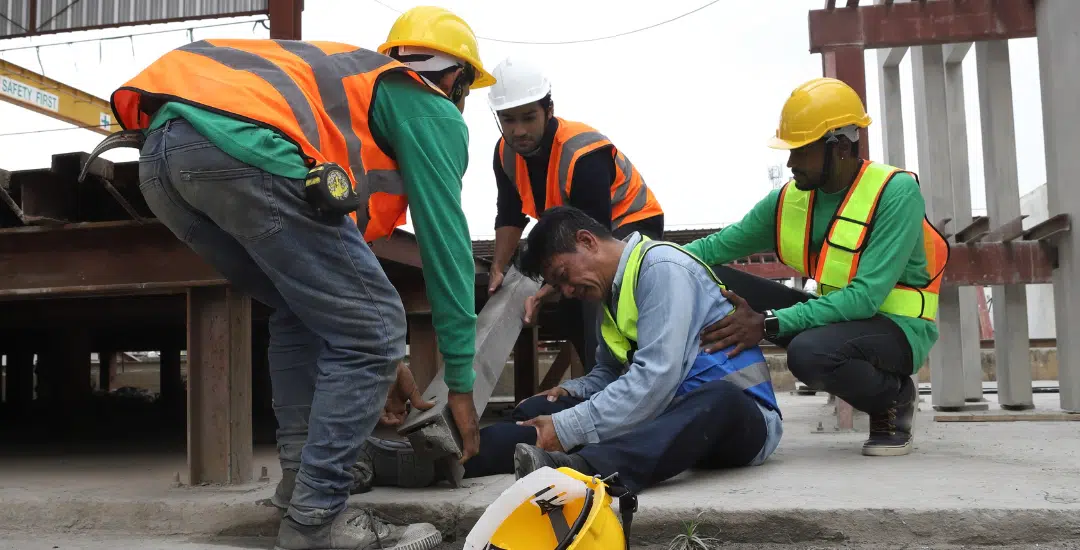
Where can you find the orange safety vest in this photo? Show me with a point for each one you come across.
(838, 261)
(631, 199)
(315, 94)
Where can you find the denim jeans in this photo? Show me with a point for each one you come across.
(338, 325)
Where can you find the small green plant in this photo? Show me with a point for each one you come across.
(691, 540)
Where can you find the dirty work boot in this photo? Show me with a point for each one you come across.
(283, 494)
(396, 465)
(356, 529)
(528, 458)
(890, 431)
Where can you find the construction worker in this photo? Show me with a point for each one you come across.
(542, 161)
(655, 404)
(859, 229)
(253, 151)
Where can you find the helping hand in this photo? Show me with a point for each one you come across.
(401, 395)
(743, 328)
(468, 423)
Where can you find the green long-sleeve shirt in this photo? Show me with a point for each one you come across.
(430, 141)
(893, 253)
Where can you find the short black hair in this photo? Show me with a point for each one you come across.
(556, 233)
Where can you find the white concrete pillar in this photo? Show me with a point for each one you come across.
(932, 129)
(1011, 342)
(1059, 55)
(970, 351)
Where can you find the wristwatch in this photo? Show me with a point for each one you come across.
(772, 324)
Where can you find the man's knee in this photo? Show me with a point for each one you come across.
(538, 405)
(808, 360)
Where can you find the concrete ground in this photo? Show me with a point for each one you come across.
(965, 484)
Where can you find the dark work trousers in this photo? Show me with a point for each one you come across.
(497, 441)
(716, 425)
(862, 362)
(579, 318)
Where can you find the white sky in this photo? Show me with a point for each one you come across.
(690, 103)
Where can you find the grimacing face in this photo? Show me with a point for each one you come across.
(578, 274)
(523, 126)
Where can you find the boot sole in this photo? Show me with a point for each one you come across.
(523, 461)
(427, 543)
(892, 450)
(399, 467)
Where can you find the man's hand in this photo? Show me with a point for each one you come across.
(468, 424)
(546, 438)
(495, 279)
(536, 301)
(743, 328)
(403, 392)
(552, 395)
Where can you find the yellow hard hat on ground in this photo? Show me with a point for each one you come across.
(816, 107)
(554, 510)
(439, 29)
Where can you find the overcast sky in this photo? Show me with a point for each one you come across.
(691, 103)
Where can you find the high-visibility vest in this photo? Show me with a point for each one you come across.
(747, 370)
(631, 199)
(317, 95)
(836, 264)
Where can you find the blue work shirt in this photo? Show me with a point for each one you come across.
(676, 299)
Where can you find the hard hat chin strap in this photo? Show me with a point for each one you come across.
(628, 504)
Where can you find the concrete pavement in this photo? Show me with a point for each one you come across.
(966, 483)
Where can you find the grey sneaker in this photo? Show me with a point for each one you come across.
(396, 465)
(356, 529)
(529, 458)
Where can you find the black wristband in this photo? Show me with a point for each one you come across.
(772, 324)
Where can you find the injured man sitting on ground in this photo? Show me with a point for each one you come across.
(655, 404)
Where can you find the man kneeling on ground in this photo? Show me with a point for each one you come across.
(654, 405)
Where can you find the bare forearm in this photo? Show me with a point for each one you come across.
(506, 240)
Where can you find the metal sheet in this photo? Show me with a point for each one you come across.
(30, 17)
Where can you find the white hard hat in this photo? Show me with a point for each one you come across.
(517, 82)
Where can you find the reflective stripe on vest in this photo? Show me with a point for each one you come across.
(837, 262)
(315, 94)
(620, 335)
(631, 199)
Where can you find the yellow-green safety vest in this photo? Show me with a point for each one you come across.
(838, 261)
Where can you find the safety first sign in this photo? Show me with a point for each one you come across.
(29, 94)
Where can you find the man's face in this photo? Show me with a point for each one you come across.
(523, 127)
(578, 274)
(806, 163)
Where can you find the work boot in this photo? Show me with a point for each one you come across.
(356, 529)
(528, 459)
(362, 476)
(395, 464)
(890, 431)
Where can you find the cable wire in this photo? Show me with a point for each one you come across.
(579, 41)
(25, 132)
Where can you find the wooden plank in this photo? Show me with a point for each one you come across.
(219, 386)
(1006, 417)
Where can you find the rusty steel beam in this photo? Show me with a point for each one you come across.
(285, 18)
(921, 24)
(989, 264)
(849, 65)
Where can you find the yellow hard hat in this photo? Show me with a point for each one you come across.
(551, 510)
(814, 108)
(439, 29)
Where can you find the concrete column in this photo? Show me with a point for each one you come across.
(961, 195)
(1059, 42)
(932, 128)
(1011, 343)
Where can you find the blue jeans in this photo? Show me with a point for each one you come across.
(338, 326)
